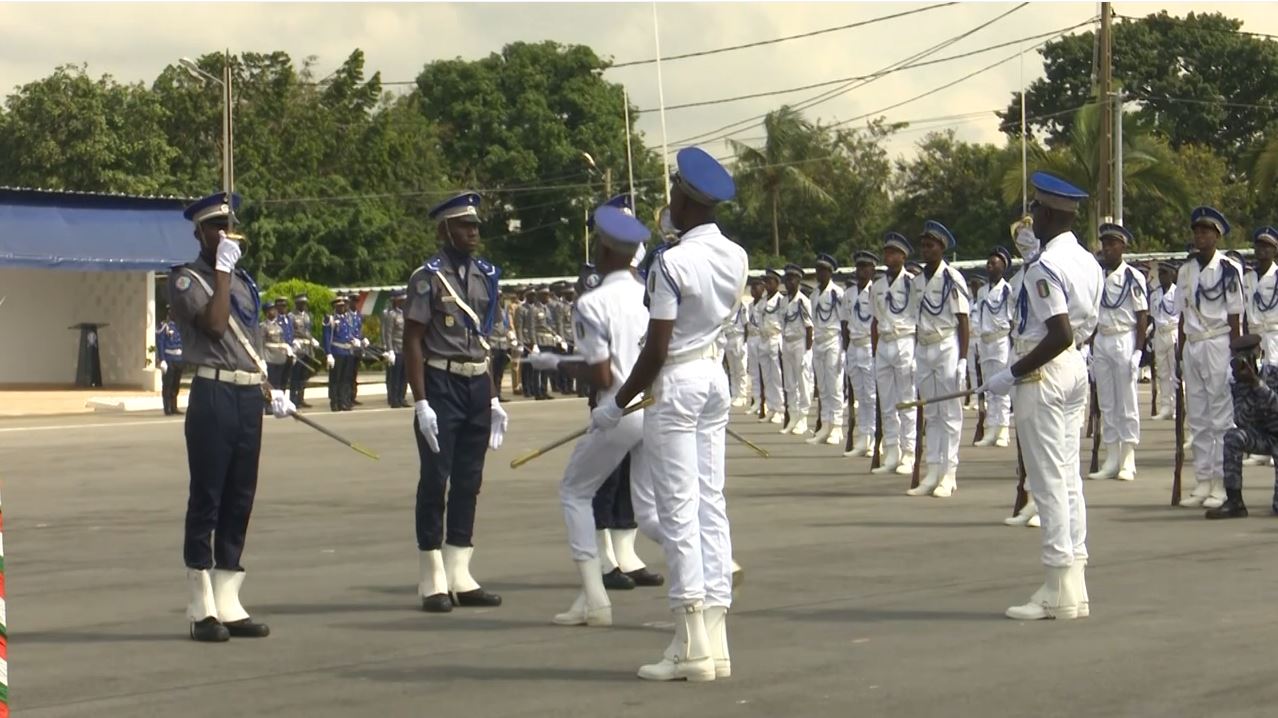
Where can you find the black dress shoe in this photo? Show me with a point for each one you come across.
(438, 603)
(304, 404)
(247, 628)
(615, 580)
(1231, 509)
(644, 577)
(478, 597)
(177, 413)
(356, 402)
(209, 631)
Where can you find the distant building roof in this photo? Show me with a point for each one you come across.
(91, 231)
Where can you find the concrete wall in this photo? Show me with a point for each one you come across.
(40, 304)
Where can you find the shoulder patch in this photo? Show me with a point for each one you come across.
(1044, 289)
(183, 283)
(422, 285)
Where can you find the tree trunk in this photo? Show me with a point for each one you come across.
(776, 232)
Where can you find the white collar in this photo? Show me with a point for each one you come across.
(619, 275)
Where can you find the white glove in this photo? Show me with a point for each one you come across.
(1001, 383)
(535, 350)
(331, 361)
(512, 337)
(314, 342)
(164, 366)
(1136, 362)
(428, 424)
(281, 407)
(288, 351)
(501, 420)
(365, 342)
(544, 362)
(389, 357)
(605, 416)
(228, 253)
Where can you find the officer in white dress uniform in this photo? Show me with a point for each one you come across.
(827, 350)
(770, 315)
(856, 311)
(1056, 311)
(939, 300)
(1166, 315)
(1262, 300)
(1116, 355)
(894, 355)
(796, 351)
(1210, 297)
(609, 322)
(735, 351)
(754, 325)
(692, 288)
(993, 327)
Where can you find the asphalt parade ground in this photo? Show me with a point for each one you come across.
(858, 600)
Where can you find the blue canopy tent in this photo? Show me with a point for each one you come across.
(70, 259)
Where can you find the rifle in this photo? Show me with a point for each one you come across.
(851, 404)
(1153, 389)
(763, 394)
(1091, 395)
(920, 430)
(816, 391)
(1179, 386)
(785, 395)
(1094, 420)
(1022, 496)
(877, 459)
(980, 410)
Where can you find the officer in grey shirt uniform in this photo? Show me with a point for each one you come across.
(452, 304)
(393, 348)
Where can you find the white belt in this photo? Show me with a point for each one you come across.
(891, 337)
(343, 345)
(930, 338)
(860, 341)
(229, 376)
(1115, 331)
(1165, 327)
(710, 351)
(1270, 328)
(991, 337)
(1204, 336)
(460, 368)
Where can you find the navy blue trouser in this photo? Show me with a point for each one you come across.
(613, 506)
(297, 381)
(463, 406)
(396, 382)
(223, 444)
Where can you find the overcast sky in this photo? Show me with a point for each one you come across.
(134, 41)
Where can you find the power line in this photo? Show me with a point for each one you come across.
(776, 40)
(742, 125)
(1195, 101)
(1238, 32)
(876, 75)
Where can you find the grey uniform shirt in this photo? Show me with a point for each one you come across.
(188, 296)
(540, 326)
(447, 334)
(302, 332)
(393, 330)
(274, 350)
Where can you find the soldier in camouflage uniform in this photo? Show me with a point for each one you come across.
(1255, 395)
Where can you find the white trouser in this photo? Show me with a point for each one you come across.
(735, 352)
(593, 459)
(1165, 369)
(1269, 346)
(770, 361)
(994, 359)
(796, 367)
(684, 435)
(752, 368)
(973, 361)
(1049, 419)
(1209, 407)
(860, 363)
(827, 370)
(938, 371)
(1116, 364)
(894, 374)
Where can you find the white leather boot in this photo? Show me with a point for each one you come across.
(778, 417)
(603, 546)
(457, 568)
(800, 427)
(1001, 439)
(1109, 469)
(822, 435)
(201, 604)
(1201, 491)
(988, 439)
(1216, 496)
(691, 660)
(1057, 598)
(861, 446)
(1126, 462)
(889, 461)
(717, 632)
(835, 438)
(906, 467)
(592, 607)
(1080, 583)
(948, 485)
(928, 483)
(1028, 511)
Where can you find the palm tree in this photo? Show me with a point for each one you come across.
(1264, 168)
(1148, 168)
(776, 167)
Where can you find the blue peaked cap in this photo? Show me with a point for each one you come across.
(864, 256)
(770, 272)
(1265, 234)
(212, 207)
(1211, 217)
(621, 201)
(1117, 231)
(827, 261)
(619, 229)
(794, 269)
(464, 206)
(1002, 253)
(703, 178)
(898, 240)
(939, 232)
(1055, 192)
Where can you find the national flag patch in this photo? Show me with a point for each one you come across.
(1044, 290)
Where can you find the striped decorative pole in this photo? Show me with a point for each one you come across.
(4, 633)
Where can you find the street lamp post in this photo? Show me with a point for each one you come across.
(228, 155)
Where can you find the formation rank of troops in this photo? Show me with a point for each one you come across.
(668, 343)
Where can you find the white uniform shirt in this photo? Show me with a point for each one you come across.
(1122, 296)
(770, 315)
(892, 306)
(796, 319)
(1249, 286)
(736, 324)
(994, 312)
(1065, 279)
(1262, 302)
(1163, 308)
(827, 322)
(697, 284)
(610, 322)
(938, 302)
(857, 309)
(754, 316)
(1206, 296)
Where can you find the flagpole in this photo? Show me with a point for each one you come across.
(1024, 155)
(630, 160)
(661, 102)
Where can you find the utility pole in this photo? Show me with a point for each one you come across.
(1104, 193)
(608, 183)
(1118, 157)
